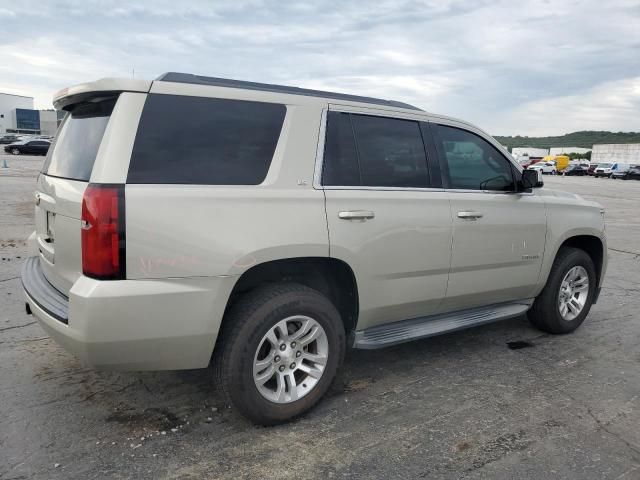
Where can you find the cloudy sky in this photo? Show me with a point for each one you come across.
(530, 67)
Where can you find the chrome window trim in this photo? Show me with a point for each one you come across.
(492, 192)
(384, 189)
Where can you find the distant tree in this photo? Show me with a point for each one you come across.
(583, 139)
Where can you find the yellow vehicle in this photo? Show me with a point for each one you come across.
(561, 161)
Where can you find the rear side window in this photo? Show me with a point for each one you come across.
(74, 150)
(362, 150)
(340, 155)
(205, 141)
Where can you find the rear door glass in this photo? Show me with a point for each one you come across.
(363, 150)
(74, 150)
(205, 141)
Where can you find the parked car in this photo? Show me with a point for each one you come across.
(605, 169)
(576, 170)
(592, 169)
(262, 244)
(633, 173)
(621, 171)
(7, 139)
(545, 167)
(560, 162)
(30, 147)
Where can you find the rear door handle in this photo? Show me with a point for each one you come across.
(356, 215)
(469, 215)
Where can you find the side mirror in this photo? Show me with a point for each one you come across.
(531, 179)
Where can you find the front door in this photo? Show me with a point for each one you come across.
(385, 218)
(498, 234)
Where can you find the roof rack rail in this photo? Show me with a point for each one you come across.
(265, 87)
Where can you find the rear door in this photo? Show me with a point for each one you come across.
(498, 234)
(388, 217)
(60, 187)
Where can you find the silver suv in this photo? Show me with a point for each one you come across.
(266, 229)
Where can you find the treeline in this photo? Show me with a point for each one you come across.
(584, 139)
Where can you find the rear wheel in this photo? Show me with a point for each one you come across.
(568, 295)
(279, 352)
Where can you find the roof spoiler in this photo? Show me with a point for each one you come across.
(69, 96)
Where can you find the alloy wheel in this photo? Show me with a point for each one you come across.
(290, 359)
(574, 290)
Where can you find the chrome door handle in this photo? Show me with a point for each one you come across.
(356, 215)
(469, 215)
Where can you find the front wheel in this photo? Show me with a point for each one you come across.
(15, 151)
(279, 352)
(568, 295)
(553, 172)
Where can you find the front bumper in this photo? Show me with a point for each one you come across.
(156, 324)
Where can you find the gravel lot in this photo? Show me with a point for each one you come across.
(463, 405)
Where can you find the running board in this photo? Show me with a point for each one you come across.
(422, 327)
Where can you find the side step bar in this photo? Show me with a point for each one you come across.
(406, 330)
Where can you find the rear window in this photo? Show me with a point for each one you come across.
(74, 150)
(205, 141)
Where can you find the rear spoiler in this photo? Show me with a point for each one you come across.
(77, 93)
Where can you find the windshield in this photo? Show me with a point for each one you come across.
(74, 150)
(604, 165)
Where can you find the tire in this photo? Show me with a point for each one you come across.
(15, 151)
(243, 341)
(545, 314)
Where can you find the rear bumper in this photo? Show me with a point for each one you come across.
(40, 292)
(163, 324)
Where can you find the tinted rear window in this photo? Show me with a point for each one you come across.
(205, 141)
(363, 150)
(74, 150)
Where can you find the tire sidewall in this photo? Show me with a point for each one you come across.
(242, 389)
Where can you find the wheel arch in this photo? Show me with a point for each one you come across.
(332, 277)
(593, 245)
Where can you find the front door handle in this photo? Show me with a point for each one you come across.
(356, 215)
(469, 215)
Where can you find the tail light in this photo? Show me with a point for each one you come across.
(103, 232)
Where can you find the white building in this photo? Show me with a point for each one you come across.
(521, 153)
(48, 122)
(567, 150)
(8, 105)
(616, 152)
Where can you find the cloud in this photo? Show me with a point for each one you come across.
(500, 64)
(615, 105)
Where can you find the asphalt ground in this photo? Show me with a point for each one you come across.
(502, 401)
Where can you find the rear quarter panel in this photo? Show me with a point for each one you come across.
(209, 230)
